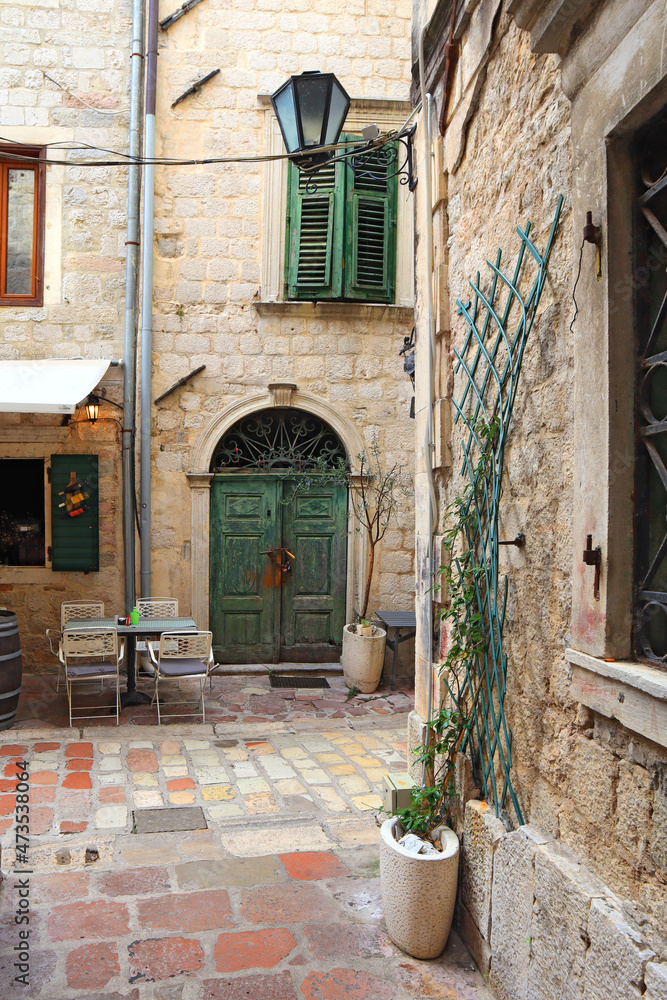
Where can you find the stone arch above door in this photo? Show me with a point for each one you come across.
(199, 478)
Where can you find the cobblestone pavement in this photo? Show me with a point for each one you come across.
(248, 697)
(277, 899)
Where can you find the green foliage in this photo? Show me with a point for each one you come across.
(460, 582)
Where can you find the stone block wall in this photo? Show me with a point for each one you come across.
(84, 48)
(542, 925)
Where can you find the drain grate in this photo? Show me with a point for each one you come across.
(280, 681)
(169, 820)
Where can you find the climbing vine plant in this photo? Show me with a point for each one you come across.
(487, 368)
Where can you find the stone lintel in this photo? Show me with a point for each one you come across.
(199, 480)
(632, 693)
(336, 310)
(282, 392)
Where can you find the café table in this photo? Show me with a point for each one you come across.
(396, 621)
(144, 627)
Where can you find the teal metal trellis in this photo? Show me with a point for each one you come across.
(489, 364)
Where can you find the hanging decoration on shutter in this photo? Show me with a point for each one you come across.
(75, 493)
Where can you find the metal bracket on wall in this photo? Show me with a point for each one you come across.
(181, 381)
(195, 87)
(178, 14)
(593, 557)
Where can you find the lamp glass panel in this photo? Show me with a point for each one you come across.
(285, 111)
(312, 91)
(337, 114)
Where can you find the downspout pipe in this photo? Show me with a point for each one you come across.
(428, 445)
(130, 346)
(147, 301)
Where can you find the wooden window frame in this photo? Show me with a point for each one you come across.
(31, 153)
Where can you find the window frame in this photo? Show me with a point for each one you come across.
(31, 153)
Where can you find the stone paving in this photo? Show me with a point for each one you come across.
(277, 899)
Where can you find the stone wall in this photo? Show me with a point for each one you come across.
(212, 236)
(592, 791)
(210, 246)
(85, 49)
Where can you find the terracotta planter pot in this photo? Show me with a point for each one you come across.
(418, 892)
(362, 658)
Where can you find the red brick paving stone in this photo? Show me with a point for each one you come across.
(43, 747)
(310, 865)
(79, 750)
(142, 760)
(179, 784)
(77, 780)
(279, 987)
(286, 903)
(252, 949)
(347, 941)
(189, 912)
(7, 804)
(11, 749)
(346, 984)
(10, 768)
(64, 887)
(163, 958)
(42, 968)
(98, 921)
(92, 966)
(79, 764)
(67, 827)
(135, 881)
(43, 793)
(7, 784)
(112, 795)
(44, 778)
(41, 818)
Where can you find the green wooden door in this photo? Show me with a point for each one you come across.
(244, 599)
(313, 592)
(258, 613)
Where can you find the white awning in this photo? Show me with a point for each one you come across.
(47, 386)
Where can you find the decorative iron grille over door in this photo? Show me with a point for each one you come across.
(278, 440)
(650, 283)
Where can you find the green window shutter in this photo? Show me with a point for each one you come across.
(370, 233)
(314, 234)
(75, 543)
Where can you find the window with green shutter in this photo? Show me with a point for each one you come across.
(75, 544)
(341, 237)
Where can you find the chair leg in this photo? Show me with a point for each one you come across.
(69, 699)
(202, 688)
(157, 696)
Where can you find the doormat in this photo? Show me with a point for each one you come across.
(280, 681)
(171, 820)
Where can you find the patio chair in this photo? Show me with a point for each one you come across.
(90, 655)
(152, 607)
(71, 611)
(180, 656)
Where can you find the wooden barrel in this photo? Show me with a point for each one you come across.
(10, 668)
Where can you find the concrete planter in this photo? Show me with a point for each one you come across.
(362, 658)
(418, 892)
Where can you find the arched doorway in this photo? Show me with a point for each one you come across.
(277, 556)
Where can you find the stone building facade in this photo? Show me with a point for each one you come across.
(219, 296)
(546, 100)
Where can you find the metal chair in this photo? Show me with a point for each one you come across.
(71, 611)
(180, 656)
(90, 655)
(152, 607)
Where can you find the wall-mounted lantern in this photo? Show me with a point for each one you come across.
(92, 408)
(311, 109)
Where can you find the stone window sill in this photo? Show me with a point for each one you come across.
(336, 310)
(633, 693)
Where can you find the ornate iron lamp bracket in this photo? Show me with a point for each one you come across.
(373, 162)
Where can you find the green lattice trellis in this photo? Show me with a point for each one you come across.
(489, 365)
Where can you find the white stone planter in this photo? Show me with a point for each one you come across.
(362, 658)
(418, 892)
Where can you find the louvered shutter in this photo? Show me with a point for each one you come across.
(315, 225)
(75, 540)
(370, 246)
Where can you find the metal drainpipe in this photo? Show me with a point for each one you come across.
(428, 446)
(130, 350)
(147, 301)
